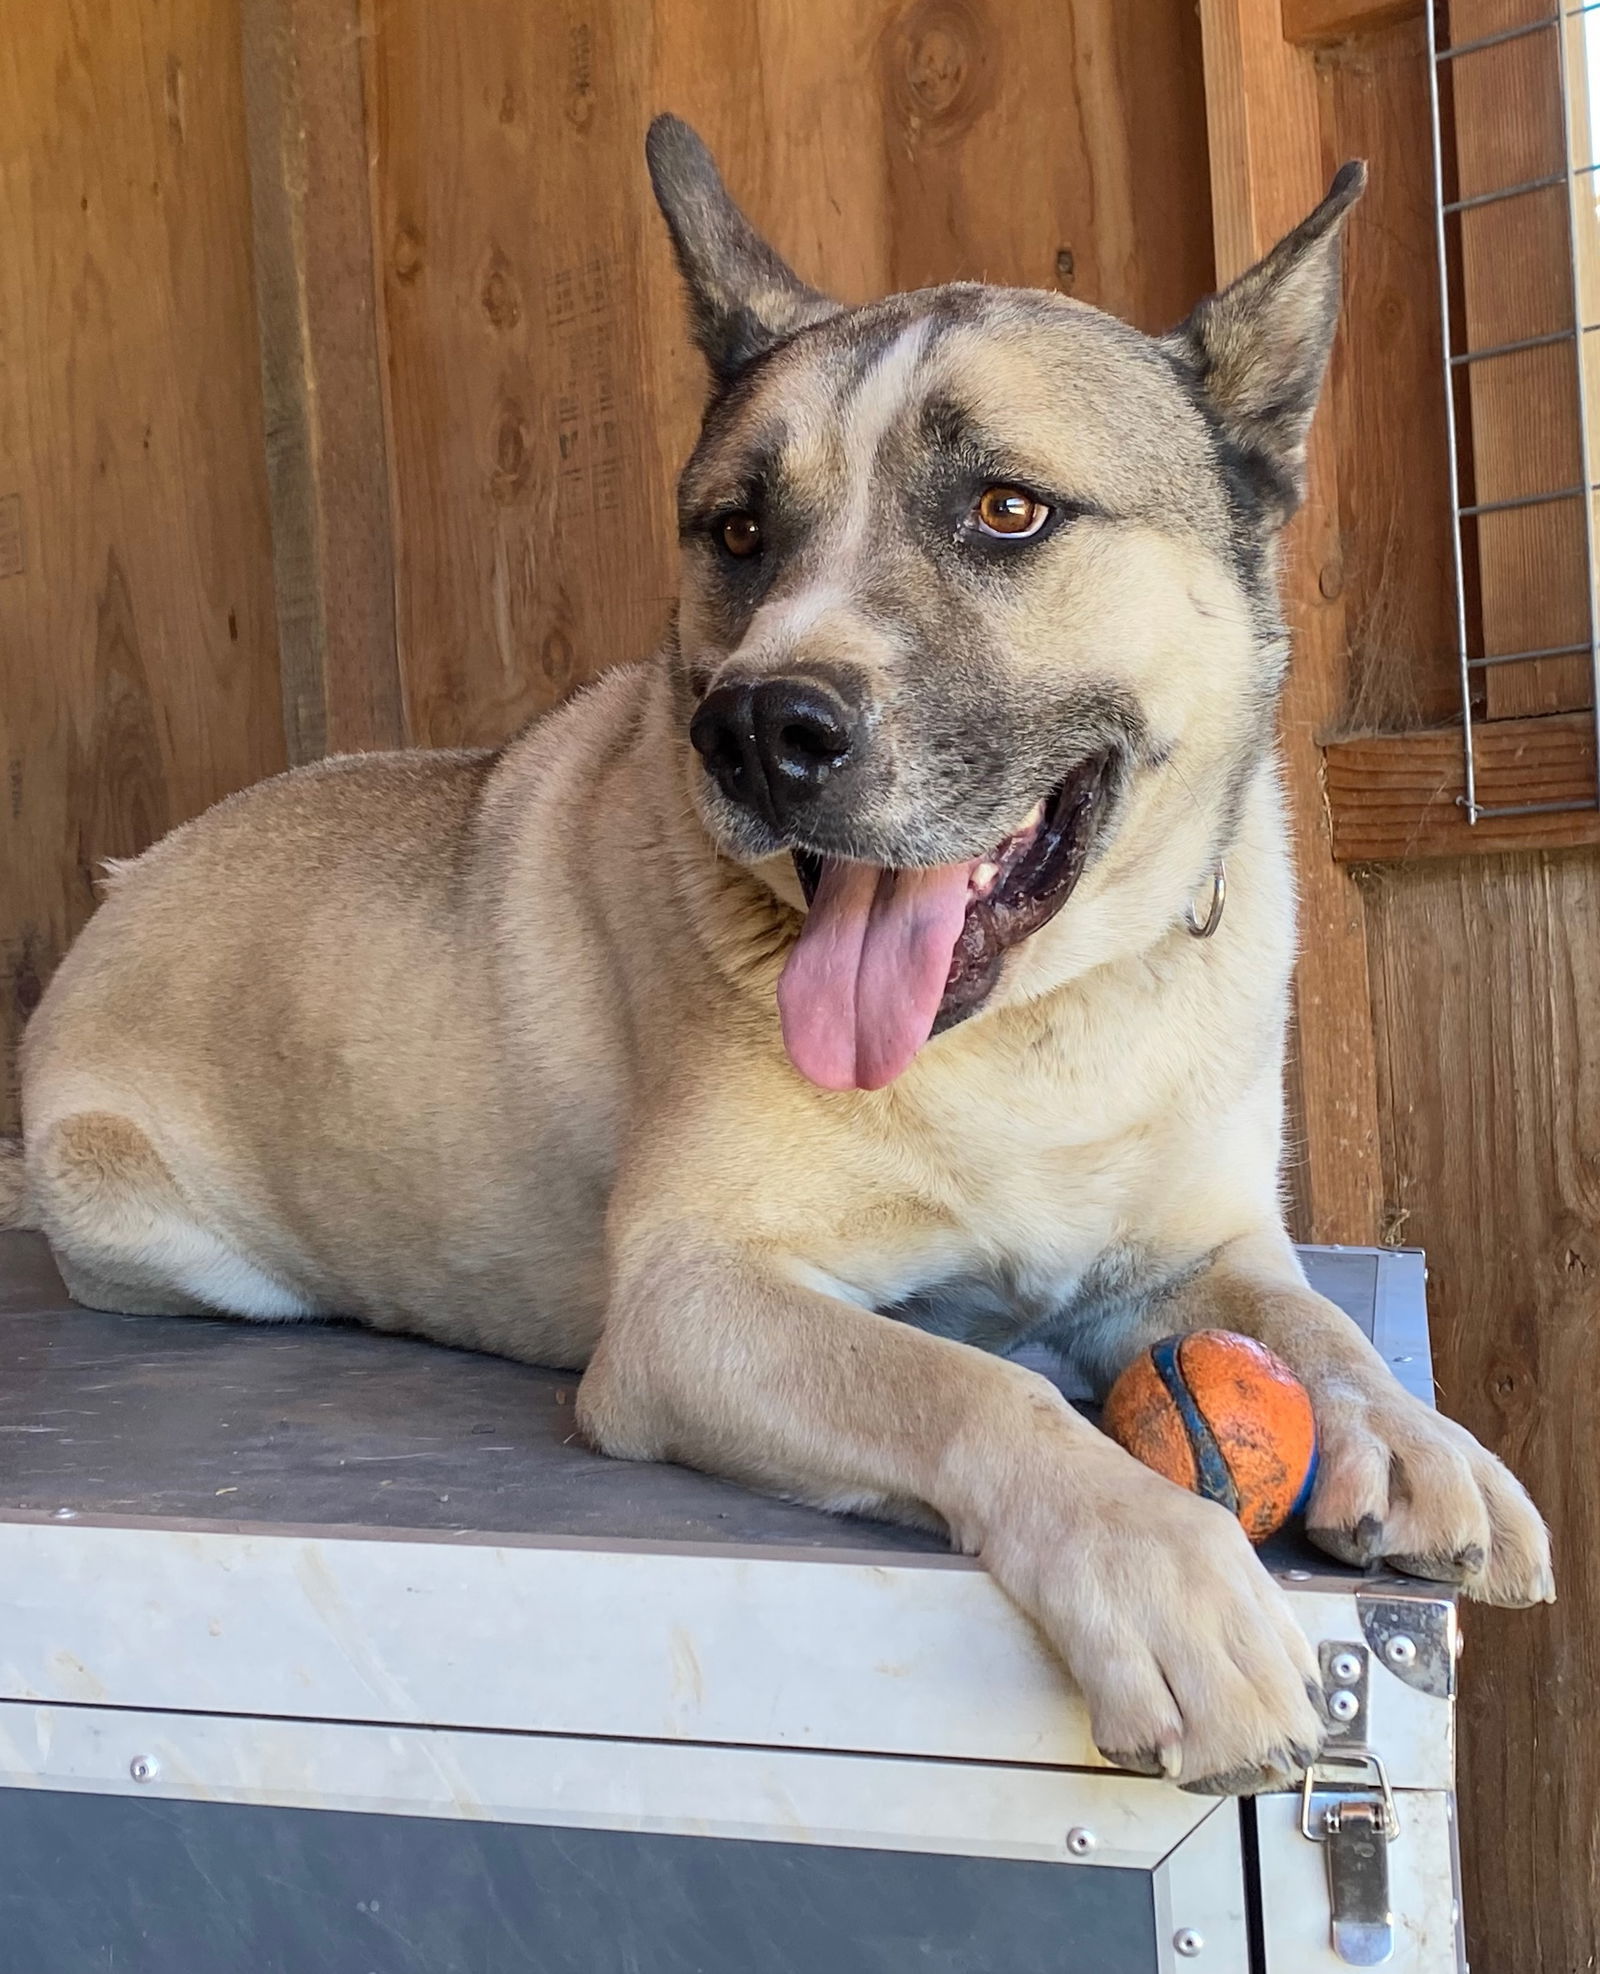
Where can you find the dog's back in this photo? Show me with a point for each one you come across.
(269, 1076)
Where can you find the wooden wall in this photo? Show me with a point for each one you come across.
(138, 663)
(1483, 972)
(1486, 991)
(542, 392)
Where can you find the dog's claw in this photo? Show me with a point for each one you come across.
(1360, 1546)
(1143, 1761)
(1278, 1772)
(1462, 1567)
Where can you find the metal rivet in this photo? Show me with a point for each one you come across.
(144, 1768)
(1298, 1576)
(1187, 1942)
(65, 1515)
(1345, 1667)
(1343, 1705)
(1400, 1650)
(1081, 1842)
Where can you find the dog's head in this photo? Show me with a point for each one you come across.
(977, 584)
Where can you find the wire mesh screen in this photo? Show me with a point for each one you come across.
(1515, 88)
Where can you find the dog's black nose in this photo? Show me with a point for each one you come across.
(772, 746)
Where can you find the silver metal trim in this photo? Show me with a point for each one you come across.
(1452, 448)
(1522, 343)
(1546, 499)
(1494, 40)
(1536, 809)
(592, 1782)
(1504, 192)
(1525, 657)
(1428, 1626)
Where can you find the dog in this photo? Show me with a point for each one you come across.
(787, 1028)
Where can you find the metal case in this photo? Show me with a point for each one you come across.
(333, 1653)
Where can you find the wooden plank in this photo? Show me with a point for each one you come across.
(138, 660)
(1486, 975)
(327, 448)
(1504, 107)
(544, 391)
(1397, 796)
(1115, 209)
(1320, 23)
(1268, 168)
(1394, 570)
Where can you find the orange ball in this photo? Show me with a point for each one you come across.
(1222, 1416)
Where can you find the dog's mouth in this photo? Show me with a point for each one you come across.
(889, 957)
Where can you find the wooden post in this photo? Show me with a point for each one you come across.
(1267, 171)
(327, 449)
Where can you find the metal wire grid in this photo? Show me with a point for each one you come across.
(1572, 175)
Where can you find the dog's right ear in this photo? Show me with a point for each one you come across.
(743, 297)
(1258, 350)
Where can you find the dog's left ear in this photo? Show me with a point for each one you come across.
(744, 298)
(1259, 349)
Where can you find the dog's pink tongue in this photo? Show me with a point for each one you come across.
(864, 982)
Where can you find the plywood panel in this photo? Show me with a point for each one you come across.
(543, 394)
(138, 670)
(1486, 977)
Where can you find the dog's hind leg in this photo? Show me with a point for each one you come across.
(125, 1238)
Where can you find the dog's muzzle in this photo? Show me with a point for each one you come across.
(774, 745)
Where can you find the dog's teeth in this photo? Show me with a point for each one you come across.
(983, 878)
(1034, 817)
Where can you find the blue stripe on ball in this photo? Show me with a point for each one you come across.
(1212, 1476)
(1300, 1500)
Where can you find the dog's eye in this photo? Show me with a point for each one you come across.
(1009, 513)
(740, 534)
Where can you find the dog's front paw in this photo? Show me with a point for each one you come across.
(1399, 1483)
(1184, 1648)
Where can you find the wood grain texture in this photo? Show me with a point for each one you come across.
(544, 394)
(1521, 412)
(1394, 566)
(1399, 795)
(1486, 977)
(138, 661)
(1320, 23)
(327, 450)
(1269, 166)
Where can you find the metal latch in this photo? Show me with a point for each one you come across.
(1355, 1833)
(1347, 1806)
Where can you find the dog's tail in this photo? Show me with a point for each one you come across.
(16, 1204)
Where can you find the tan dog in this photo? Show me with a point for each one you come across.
(542, 1050)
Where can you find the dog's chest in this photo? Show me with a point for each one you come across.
(1036, 1208)
(1041, 1243)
